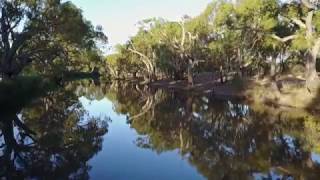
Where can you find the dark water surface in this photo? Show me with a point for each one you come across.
(92, 130)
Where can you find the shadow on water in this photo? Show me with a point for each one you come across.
(222, 139)
(45, 132)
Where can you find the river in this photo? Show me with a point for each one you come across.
(92, 130)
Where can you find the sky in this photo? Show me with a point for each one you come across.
(119, 17)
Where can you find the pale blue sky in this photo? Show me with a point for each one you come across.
(118, 17)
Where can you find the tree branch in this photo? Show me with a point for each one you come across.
(308, 4)
(183, 38)
(284, 39)
(196, 62)
(137, 52)
(4, 31)
(316, 47)
(299, 23)
(146, 60)
(309, 24)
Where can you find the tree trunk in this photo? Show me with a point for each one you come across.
(221, 74)
(153, 76)
(240, 61)
(190, 74)
(273, 68)
(5, 68)
(312, 78)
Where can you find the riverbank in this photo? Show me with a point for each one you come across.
(287, 91)
(203, 84)
(214, 88)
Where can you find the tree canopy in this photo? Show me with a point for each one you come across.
(43, 33)
(263, 37)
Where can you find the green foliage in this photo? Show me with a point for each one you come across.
(250, 34)
(300, 43)
(44, 34)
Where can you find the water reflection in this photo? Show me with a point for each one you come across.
(52, 137)
(221, 139)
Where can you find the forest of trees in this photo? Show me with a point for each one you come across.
(254, 38)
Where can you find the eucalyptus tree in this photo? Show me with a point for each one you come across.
(246, 26)
(303, 19)
(143, 44)
(171, 48)
(184, 44)
(112, 65)
(294, 23)
(232, 35)
(190, 48)
(180, 42)
(41, 32)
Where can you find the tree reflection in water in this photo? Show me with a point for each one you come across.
(222, 139)
(52, 138)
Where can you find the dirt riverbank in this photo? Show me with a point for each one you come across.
(285, 92)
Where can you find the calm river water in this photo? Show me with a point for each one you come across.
(92, 130)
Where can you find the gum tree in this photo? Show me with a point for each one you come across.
(303, 17)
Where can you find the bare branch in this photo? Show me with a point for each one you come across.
(145, 59)
(284, 39)
(139, 53)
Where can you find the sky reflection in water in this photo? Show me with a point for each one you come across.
(122, 159)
